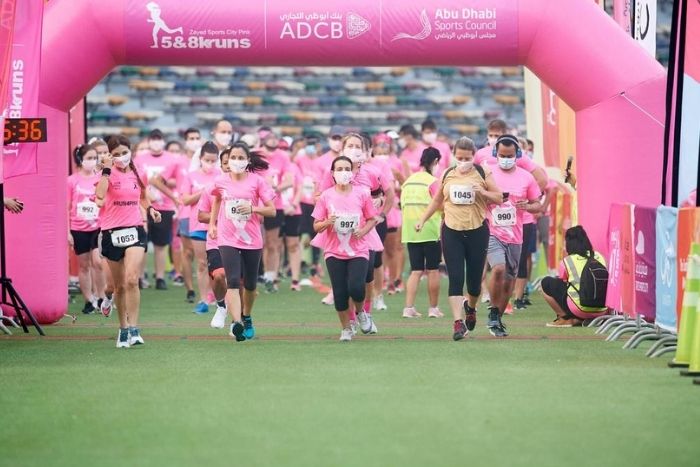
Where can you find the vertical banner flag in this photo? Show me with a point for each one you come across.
(645, 262)
(614, 297)
(622, 12)
(7, 24)
(638, 19)
(627, 262)
(23, 84)
(666, 267)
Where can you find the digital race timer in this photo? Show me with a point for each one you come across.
(25, 130)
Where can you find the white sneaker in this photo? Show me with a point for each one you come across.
(123, 339)
(435, 313)
(378, 303)
(219, 319)
(328, 299)
(106, 307)
(373, 329)
(410, 313)
(306, 282)
(353, 326)
(365, 321)
(346, 335)
(135, 337)
(485, 297)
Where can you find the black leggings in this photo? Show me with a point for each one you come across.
(347, 280)
(378, 257)
(369, 277)
(465, 247)
(237, 263)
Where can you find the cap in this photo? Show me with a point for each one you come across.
(336, 130)
(155, 134)
(392, 134)
(250, 139)
(381, 138)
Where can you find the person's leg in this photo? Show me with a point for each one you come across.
(369, 284)
(476, 245)
(187, 258)
(391, 260)
(454, 253)
(433, 255)
(231, 257)
(118, 277)
(294, 254)
(357, 269)
(338, 274)
(98, 274)
(217, 274)
(250, 261)
(271, 254)
(552, 288)
(416, 259)
(132, 294)
(160, 254)
(85, 277)
(203, 282)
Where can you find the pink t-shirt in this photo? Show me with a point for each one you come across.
(352, 209)
(121, 208)
(184, 211)
(289, 195)
(199, 182)
(324, 161)
(445, 157)
(412, 156)
(505, 221)
(204, 205)
(275, 174)
(167, 166)
(310, 175)
(84, 213)
(236, 230)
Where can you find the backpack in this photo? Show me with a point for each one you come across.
(478, 168)
(594, 284)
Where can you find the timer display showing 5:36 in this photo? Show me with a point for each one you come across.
(24, 130)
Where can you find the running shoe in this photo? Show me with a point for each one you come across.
(106, 307)
(353, 326)
(495, 325)
(190, 296)
(248, 328)
(526, 300)
(123, 339)
(160, 284)
(410, 312)
(434, 312)
(470, 313)
(306, 282)
(144, 284)
(459, 330)
(237, 330)
(519, 304)
(378, 303)
(89, 308)
(135, 337)
(391, 290)
(365, 321)
(178, 281)
(398, 286)
(295, 287)
(346, 335)
(373, 329)
(328, 299)
(270, 287)
(559, 323)
(219, 319)
(201, 308)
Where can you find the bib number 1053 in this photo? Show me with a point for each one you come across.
(125, 237)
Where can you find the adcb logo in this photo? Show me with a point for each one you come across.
(323, 26)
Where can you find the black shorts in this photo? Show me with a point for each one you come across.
(292, 226)
(557, 289)
(307, 221)
(424, 256)
(214, 261)
(529, 239)
(382, 230)
(276, 222)
(161, 234)
(84, 242)
(116, 253)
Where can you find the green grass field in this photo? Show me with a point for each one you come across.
(296, 396)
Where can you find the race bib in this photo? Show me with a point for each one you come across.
(347, 223)
(125, 237)
(462, 194)
(308, 187)
(231, 206)
(505, 216)
(88, 211)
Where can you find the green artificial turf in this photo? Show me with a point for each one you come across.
(296, 396)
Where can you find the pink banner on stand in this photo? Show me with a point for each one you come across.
(550, 127)
(7, 24)
(614, 297)
(628, 254)
(23, 84)
(623, 14)
(645, 262)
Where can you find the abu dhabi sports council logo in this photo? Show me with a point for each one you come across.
(158, 23)
(165, 37)
(423, 34)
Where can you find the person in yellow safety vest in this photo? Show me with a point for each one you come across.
(424, 251)
(561, 293)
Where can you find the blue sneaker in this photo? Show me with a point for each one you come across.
(248, 328)
(201, 308)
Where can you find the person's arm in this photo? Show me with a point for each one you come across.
(103, 185)
(159, 183)
(214, 216)
(150, 210)
(267, 210)
(203, 217)
(191, 199)
(390, 199)
(492, 193)
(435, 204)
(540, 177)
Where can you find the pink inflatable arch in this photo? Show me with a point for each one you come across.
(616, 89)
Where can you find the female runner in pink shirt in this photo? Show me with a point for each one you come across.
(240, 198)
(345, 214)
(121, 194)
(84, 219)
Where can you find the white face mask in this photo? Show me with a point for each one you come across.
(193, 145)
(223, 139)
(123, 161)
(506, 163)
(156, 145)
(429, 138)
(464, 166)
(237, 166)
(354, 154)
(492, 140)
(335, 145)
(89, 164)
(402, 143)
(342, 177)
(207, 166)
(382, 157)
